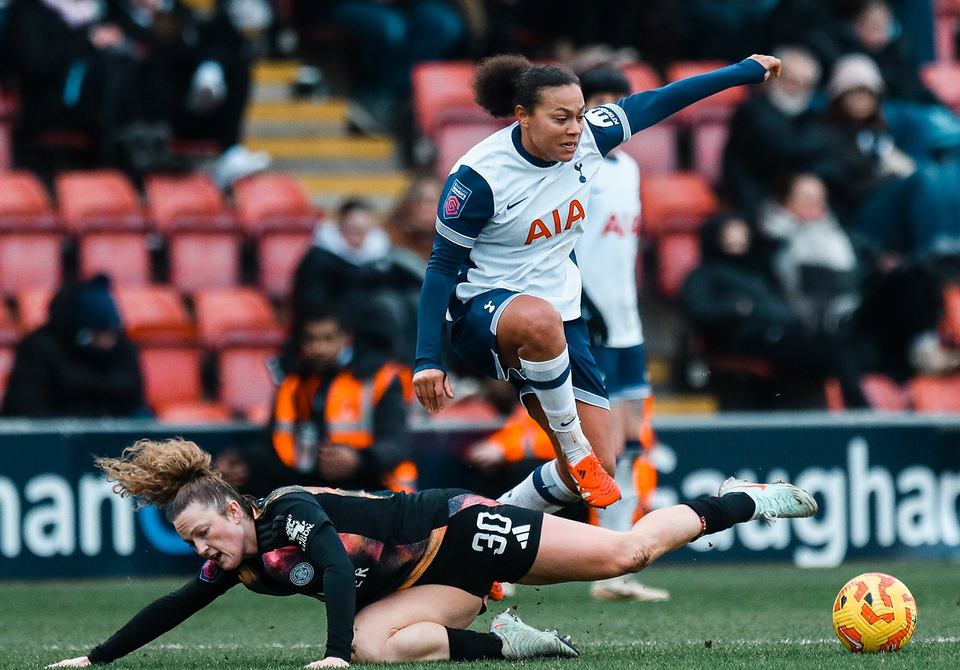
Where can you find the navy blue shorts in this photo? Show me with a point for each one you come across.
(473, 334)
(624, 372)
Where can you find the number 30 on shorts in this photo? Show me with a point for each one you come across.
(495, 527)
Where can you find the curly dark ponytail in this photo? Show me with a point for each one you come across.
(500, 83)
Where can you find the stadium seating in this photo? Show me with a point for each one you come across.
(276, 211)
(709, 142)
(677, 255)
(882, 394)
(246, 386)
(173, 385)
(642, 77)
(944, 80)
(936, 394)
(278, 255)
(33, 306)
(154, 314)
(678, 201)
(6, 365)
(9, 328)
(102, 208)
(442, 94)
(30, 238)
(453, 140)
(946, 27)
(654, 149)
(950, 324)
(268, 201)
(202, 237)
(716, 108)
(233, 316)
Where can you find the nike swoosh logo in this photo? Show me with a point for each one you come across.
(564, 424)
(517, 203)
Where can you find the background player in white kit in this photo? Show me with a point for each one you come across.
(607, 254)
(503, 271)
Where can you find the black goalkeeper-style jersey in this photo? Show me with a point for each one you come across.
(347, 548)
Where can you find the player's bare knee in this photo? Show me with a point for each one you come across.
(541, 328)
(369, 648)
(633, 555)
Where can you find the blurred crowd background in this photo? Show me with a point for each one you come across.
(216, 210)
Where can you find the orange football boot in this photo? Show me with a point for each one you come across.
(597, 488)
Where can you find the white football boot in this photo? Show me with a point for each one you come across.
(522, 641)
(626, 589)
(778, 500)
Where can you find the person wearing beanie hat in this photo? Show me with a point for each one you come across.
(891, 202)
(78, 364)
(855, 71)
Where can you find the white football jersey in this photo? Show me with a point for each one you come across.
(607, 251)
(521, 216)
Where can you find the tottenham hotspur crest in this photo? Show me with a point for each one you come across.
(298, 531)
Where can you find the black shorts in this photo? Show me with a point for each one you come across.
(483, 545)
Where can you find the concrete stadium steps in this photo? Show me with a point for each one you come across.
(309, 139)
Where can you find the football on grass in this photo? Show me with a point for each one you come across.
(874, 612)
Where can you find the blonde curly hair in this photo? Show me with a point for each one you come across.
(173, 473)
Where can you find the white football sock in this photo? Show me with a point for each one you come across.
(552, 384)
(542, 490)
(619, 515)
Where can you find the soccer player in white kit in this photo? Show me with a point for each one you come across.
(503, 272)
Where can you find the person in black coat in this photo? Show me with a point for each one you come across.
(78, 364)
(733, 301)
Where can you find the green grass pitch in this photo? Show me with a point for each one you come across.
(742, 616)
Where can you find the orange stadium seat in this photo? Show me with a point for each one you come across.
(654, 149)
(98, 199)
(232, 316)
(709, 143)
(442, 94)
(203, 240)
(718, 107)
(103, 209)
(278, 255)
(677, 255)
(33, 306)
(950, 324)
(9, 329)
(936, 394)
(123, 256)
(194, 413)
(944, 80)
(171, 375)
(271, 201)
(453, 140)
(30, 242)
(946, 25)
(642, 77)
(154, 314)
(678, 201)
(882, 393)
(246, 386)
(6, 365)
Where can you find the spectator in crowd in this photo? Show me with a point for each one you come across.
(815, 25)
(74, 71)
(901, 318)
(776, 133)
(735, 304)
(340, 414)
(386, 39)
(202, 67)
(352, 259)
(412, 224)
(894, 202)
(918, 121)
(79, 364)
(816, 264)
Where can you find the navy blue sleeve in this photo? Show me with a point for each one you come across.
(644, 109)
(438, 285)
(464, 209)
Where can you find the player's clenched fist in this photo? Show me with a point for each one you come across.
(432, 388)
(771, 63)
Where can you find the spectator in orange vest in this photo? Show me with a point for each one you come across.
(340, 414)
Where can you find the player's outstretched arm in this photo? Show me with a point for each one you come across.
(647, 108)
(79, 662)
